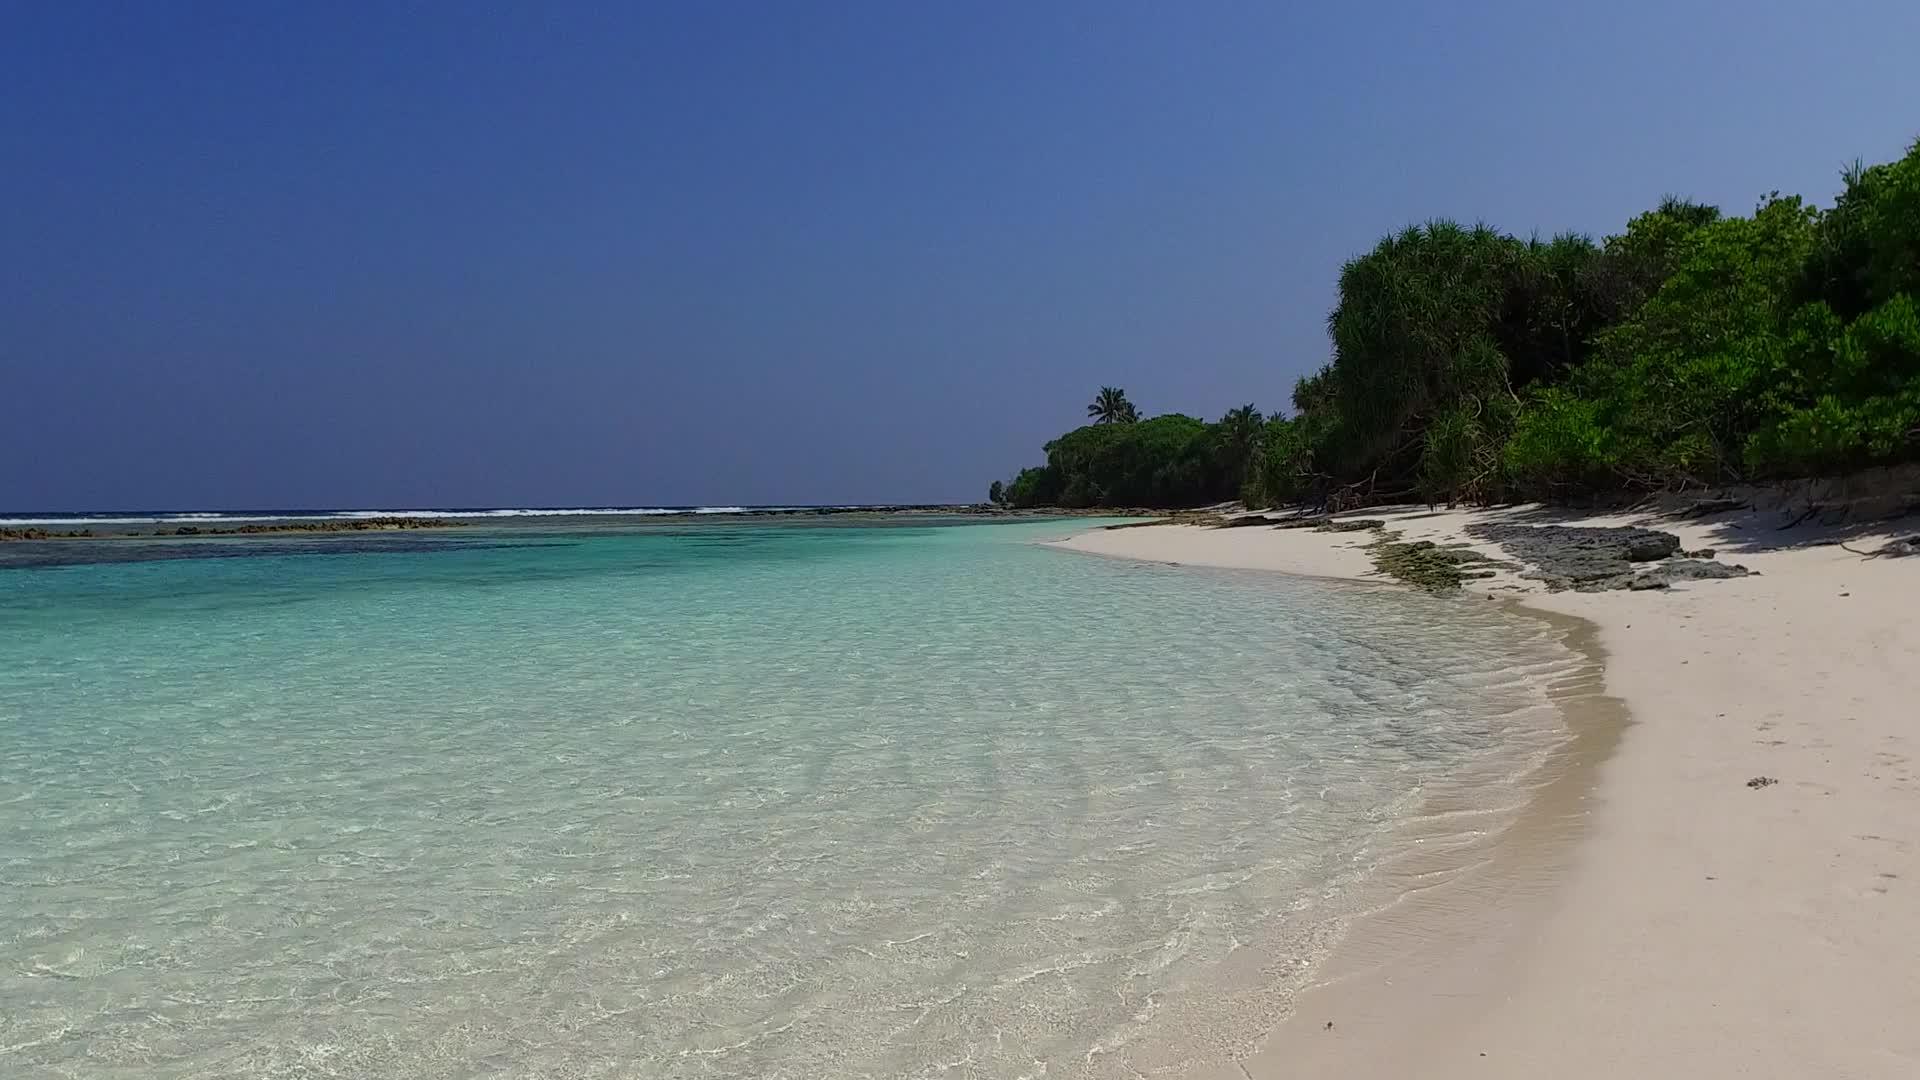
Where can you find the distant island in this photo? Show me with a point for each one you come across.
(1472, 366)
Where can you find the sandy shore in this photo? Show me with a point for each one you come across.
(1695, 926)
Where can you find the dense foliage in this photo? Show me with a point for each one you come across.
(1470, 365)
(1167, 461)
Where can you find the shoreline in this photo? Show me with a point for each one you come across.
(51, 530)
(1413, 970)
(1652, 914)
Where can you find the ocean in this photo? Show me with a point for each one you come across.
(58, 519)
(756, 799)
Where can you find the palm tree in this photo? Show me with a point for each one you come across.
(1240, 441)
(1241, 430)
(1111, 406)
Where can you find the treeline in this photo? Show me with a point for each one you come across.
(1469, 365)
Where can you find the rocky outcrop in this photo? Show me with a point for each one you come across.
(1665, 574)
(43, 534)
(1328, 523)
(1427, 565)
(1591, 559)
(1341, 525)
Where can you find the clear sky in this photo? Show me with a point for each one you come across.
(286, 255)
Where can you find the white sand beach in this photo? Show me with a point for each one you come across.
(1697, 926)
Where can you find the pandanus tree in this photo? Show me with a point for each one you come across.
(1110, 406)
(1415, 341)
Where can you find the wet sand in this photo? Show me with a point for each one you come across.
(1654, 915)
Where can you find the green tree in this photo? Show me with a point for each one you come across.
(1690, 348)
(1676, 388)
(1868, 248)
(997, 493)
(1849, 392)
(1239, 431)
(1852, 395)
(1555, 296)
(1649, 251)
(1168, 461)
(1416, 336)
(1110, 406)
(1282, 471)
(1038, 486)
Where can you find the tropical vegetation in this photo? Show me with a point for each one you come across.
(1692, 348)
(1110, 406)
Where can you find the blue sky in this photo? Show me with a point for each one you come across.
(263, 255)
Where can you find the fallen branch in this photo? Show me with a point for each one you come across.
(1810, 511)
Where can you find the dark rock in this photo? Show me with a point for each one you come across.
(1351, 525)
(1327, 523)
(1702, 553)
(1666, 574)
(1648, 545)
(1175, 517)
(36, 533)
(1583, 558)
(1762, 781)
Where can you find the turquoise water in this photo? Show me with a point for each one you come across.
(709, 801)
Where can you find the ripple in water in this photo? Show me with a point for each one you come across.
(714, 802)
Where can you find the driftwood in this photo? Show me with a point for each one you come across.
(1810, 511)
